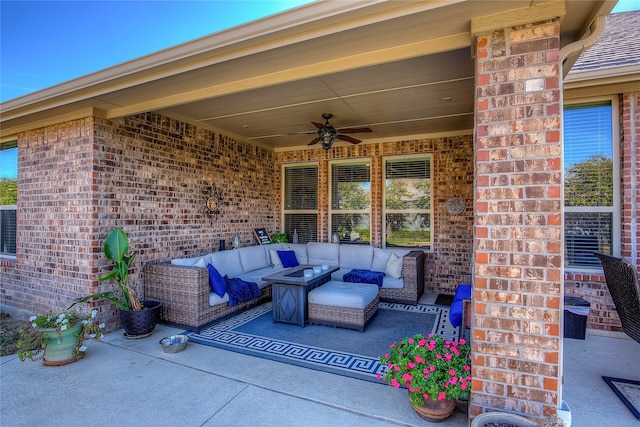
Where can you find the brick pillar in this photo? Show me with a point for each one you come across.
(518, 222)
(630, 176)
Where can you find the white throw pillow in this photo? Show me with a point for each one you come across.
(253, 258)
(380, 259)
(201, 263)
(356, 256)
(275, 258)
(394, 266)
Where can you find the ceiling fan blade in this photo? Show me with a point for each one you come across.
(319, 125)
(348, 139)
(354, 130)
(315, 141)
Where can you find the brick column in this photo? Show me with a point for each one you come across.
(518, 222)
(630, 176)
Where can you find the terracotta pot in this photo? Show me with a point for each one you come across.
(435, 410)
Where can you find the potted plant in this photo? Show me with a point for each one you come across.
(434, 370)
(138, 318)
(279, 238)
(58, 339)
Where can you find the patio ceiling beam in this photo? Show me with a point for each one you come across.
(512, 18)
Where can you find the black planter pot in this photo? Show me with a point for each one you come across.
(140, 323)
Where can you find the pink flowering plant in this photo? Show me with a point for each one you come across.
(429, 367)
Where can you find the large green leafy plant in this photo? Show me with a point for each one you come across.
(117, 249)
(429, 367)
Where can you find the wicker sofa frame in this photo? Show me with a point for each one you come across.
(413, 277)
(343, 317)
(184, 295)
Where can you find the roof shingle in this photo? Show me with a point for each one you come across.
(619, 45)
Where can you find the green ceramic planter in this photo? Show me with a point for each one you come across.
(60, 348)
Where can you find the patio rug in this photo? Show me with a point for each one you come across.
(340, 351)
(628, 391)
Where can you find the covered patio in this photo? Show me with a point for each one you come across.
(473, 90)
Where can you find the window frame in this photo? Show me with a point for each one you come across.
(331, 212)
(383, 203)
(9, 255)
(615, 209)
(283, 209)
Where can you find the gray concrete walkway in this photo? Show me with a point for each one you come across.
(134, 383)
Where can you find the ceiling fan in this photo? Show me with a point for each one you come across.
(327, 133)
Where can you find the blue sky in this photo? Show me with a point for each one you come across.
(43, 43)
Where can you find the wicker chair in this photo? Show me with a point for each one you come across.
(622, 281)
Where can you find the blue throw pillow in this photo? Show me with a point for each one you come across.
(462, 292)
(216, 281)
(455, 314)
(288, 259)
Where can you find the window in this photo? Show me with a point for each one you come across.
(8, 197)
(407, 202)
(350, 201)
(590, 182)
(300, 202)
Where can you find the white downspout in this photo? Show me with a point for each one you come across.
(596, 30)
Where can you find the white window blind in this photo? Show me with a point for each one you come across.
(590, 189)
(300, 202)
(350, 203)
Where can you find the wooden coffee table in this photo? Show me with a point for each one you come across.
(289, 289)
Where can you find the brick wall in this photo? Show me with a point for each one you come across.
(518, 223)
(453, 177)
(55, 221)
(147, 174)
(630, 175)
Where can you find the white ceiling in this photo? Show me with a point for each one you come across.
(403, 68)
(415, 96)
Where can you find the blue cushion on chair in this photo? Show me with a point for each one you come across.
(216, 281)
(462, 292)
(288, 259)
(455, 314)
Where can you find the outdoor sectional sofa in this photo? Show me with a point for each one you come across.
(182, 285)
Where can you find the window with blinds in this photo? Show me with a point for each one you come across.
(300, 202)
(8, 197)
(350, 201)
(407, 202)
(590, 187)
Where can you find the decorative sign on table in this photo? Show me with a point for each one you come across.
(262, 236)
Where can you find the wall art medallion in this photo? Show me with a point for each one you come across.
(455, 205)
(213, 201)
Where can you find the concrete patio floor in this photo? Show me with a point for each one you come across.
(134, 383)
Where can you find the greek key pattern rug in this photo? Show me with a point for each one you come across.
(254, 333)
